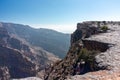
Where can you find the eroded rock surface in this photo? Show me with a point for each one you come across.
(101, 38)
(4, 73)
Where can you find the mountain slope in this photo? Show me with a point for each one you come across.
(52, 41)
(14, 60)
(19, 59)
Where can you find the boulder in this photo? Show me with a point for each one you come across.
(4, 73)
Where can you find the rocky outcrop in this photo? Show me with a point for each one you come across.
(4, 73)
(98, 75)
(94, 47)
(84, 30)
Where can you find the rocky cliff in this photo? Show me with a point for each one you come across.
(94, 50)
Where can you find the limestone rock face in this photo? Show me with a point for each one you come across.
(101, 38)
(84, 30)
(95, 45)
(99, 75)
(4, 73)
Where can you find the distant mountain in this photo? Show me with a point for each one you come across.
(50, 40)
(19, 59)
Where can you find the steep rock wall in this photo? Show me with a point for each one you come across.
(80, 48)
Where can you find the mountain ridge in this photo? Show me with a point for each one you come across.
(19, 59)
(50, 40)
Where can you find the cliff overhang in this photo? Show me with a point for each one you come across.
(94, 47)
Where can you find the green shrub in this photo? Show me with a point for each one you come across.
(104, 28)
(88, 56)
(83, 54)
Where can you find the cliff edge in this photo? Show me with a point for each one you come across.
(93, 55)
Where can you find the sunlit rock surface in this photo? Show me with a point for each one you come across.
(29, 78)
(101, 36)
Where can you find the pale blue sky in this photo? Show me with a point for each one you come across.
(61, 15)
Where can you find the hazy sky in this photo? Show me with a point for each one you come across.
(61, 15)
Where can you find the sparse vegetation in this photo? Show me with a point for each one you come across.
(88, 56)
(104, 28)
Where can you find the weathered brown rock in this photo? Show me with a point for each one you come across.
(4, 73)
